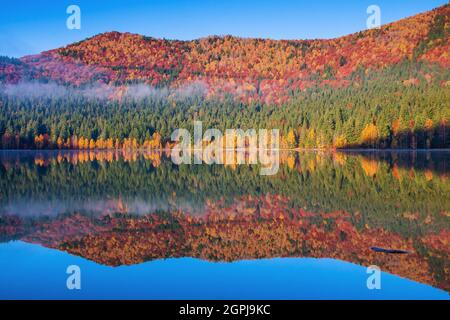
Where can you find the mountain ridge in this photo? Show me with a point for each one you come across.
(251, 69)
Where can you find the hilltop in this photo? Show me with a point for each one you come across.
(251, 69)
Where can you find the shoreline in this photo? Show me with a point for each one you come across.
(279, 149)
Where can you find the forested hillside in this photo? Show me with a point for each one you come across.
(383, 88)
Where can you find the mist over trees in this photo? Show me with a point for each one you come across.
(377, 111)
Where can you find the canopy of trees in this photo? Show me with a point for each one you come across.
(378, 111)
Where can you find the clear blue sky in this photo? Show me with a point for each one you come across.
(28, 27)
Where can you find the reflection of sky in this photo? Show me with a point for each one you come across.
(31, 271)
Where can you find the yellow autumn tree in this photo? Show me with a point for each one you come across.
(291, 161)
(91, 144)
(370, 166)
(291, 139)
(156, 141)
(340, 142)
(369, 135)
(60, 143)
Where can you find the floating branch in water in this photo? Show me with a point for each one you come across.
(392, 251)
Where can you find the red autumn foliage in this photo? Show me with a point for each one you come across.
(251, 69)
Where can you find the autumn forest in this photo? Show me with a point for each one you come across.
(380, 88)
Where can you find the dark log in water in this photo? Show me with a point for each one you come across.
(391, 251)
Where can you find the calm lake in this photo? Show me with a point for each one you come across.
(139, 226)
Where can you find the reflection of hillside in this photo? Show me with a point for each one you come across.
(320, 204)
(249, 228)
(426, 162)
(384, 187)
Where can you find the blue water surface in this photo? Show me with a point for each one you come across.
(29, 271)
